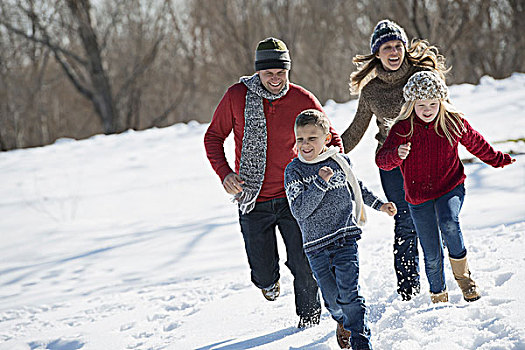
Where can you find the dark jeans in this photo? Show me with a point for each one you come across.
(437, 220)
(258, 230)
(336, 269)
(406, 258)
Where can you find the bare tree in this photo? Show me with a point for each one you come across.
(72, 68)
(71, 35)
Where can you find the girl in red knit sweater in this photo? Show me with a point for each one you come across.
(423, 142)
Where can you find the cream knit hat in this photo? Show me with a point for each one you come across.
(425, 85)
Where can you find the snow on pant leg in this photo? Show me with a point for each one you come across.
(406, 256)
(258, 231)
(320, 261)
(425, 220)
(448, 207)
(305, 287)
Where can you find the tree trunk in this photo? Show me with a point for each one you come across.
(102, 97)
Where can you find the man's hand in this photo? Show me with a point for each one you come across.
(232, 183)
(403, 150)
(326, 173)
(389, 208)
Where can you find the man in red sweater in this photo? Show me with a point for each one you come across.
(261, 111)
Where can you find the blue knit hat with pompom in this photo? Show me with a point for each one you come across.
(386, 30)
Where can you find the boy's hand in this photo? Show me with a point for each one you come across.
(403, 150)
(326, 173)
(232, 183)
(389, 208)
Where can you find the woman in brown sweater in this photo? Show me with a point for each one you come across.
(379, 81)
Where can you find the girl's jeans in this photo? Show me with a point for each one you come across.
(336, 269)
(406, 255)
(437, 221)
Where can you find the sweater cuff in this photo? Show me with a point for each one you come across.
(321, 184)
(223, 172)
(377, 204)
(507, 159)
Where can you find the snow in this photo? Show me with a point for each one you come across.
(129, 242)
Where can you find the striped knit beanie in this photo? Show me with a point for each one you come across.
(272, 53)
(425, 85)
(384, 31)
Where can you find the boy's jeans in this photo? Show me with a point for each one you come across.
(437, 220)
(406, 258)
(258, 230)
(336, 269)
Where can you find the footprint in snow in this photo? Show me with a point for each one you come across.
(58, 344)
(502, 278)
(127, 326)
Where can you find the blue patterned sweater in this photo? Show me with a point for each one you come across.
(323, 210)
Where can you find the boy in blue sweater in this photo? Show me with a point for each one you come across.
(320, 187)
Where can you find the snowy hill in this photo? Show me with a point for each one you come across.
(129, 242)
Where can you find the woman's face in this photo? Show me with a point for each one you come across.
(391, 54)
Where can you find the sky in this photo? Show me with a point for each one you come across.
(129, 242)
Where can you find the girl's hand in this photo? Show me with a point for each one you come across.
(326, 173)
(512, 160)
(403, 150)
(389, 208)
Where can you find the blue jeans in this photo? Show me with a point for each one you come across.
(437, 221)
(336, 269)
(406, 255)
(260, 241)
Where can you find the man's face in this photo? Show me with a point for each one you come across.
(274, 79)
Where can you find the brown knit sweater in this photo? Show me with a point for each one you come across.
(383, 97)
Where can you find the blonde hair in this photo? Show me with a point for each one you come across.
(419, 54)
(449, 120)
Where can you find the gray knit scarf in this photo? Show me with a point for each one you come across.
(253, 152)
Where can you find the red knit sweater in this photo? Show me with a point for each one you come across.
(433, 167)
(280, 119)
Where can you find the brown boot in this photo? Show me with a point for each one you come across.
(343, 337)
(441, 297)
(465, 282)
(272, 292)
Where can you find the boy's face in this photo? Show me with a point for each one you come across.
(427, 110)
(311, 140)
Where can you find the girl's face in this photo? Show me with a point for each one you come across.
(427, 110)
(311, 140)
(391, 54)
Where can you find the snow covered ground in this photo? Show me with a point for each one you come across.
(129, 242)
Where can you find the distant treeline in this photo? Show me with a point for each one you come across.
(75, 68)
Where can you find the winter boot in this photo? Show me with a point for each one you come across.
(465, 282)
(310, 320)
(441, 297)
(343, 337)
(272, 292)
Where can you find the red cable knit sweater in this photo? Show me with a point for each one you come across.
(280, 119)
(433, 167)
